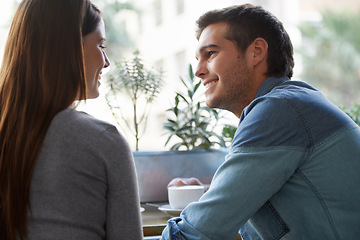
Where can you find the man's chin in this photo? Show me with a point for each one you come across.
(211, 104)
(215, 105)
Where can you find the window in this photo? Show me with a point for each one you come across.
(180, 61)
(179, 7)
(158, 12)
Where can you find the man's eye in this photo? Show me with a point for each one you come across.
(210, 53)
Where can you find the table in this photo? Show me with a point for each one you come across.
(154, 221)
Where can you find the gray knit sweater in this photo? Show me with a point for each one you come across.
(84, 183)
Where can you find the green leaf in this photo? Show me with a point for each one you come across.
(197, 86)
(195, 123)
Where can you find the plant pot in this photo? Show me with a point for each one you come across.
(155, 169)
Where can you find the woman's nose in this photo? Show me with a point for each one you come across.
(107, 61)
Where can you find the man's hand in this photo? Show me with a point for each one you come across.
(187, 181)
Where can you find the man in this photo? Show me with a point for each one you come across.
(293, 167)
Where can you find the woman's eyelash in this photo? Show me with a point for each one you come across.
(102, 46)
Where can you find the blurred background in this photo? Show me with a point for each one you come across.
(324, 34)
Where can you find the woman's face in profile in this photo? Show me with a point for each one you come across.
(95, 59)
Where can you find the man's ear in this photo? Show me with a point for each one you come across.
(260, 51)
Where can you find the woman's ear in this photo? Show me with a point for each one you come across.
(260, 50)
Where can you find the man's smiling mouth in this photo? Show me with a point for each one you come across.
(211, 83)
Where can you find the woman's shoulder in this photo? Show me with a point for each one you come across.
(80, 125)
(81, 120)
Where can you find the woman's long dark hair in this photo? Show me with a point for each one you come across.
(42, 73)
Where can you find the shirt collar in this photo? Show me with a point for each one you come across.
(269, 84)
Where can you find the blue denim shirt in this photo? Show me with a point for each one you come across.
(293, 172)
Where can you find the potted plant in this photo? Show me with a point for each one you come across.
(141, 85)
(192, 129)
(192, 123)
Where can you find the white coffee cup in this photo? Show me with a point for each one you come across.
(181, 196)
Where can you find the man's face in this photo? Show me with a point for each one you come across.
(224, 70)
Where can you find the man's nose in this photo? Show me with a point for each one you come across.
(201, 70)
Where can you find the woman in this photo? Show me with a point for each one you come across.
(63, 174)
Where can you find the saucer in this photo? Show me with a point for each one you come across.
(169, 210)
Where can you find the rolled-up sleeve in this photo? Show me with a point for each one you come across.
(266, 152)
(239, 188)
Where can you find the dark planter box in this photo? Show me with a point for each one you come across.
(155, 169)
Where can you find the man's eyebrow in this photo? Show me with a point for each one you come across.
(207, 46)
(202, 49)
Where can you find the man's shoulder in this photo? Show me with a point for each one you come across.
(292, 113)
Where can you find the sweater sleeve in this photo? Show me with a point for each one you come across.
(123, 206)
